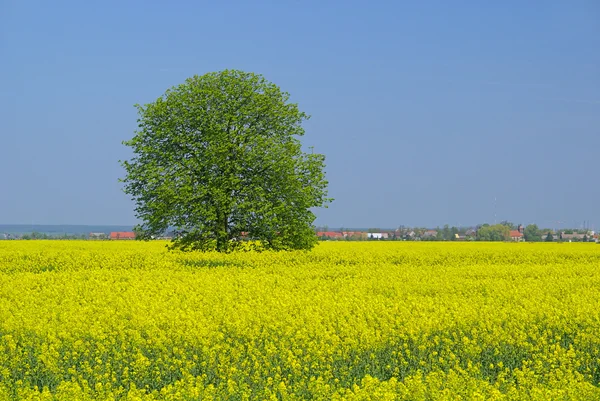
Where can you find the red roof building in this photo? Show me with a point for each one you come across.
(122, 235)
(330, 234)
(430, 233)
(516, 235)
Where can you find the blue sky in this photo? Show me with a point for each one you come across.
(426, 111)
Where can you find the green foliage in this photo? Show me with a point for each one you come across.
(549, 237)
(35, 235)
(497, 232)
(532, 233)
(446, 233)
(218, 156)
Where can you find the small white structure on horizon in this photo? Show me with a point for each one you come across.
(375, 235)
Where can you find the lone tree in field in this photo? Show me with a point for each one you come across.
(218, 156)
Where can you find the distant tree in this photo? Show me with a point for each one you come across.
(358, 236)
(497, 232)
(585, 238)
(38, 235)
(532, 233)
(549, 237)
(453, 233)
(484, 233)
(510, 225)
(220, 155)
(446, 233)
(439, 235)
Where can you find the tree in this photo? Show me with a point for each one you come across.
(510, 225)
(532, 233)
(497, 232)
(453, 233)
(549, 237)
(439, 236)
(218, 156)
(446, 233)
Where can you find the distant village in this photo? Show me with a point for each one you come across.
(499, 232)
(485, 232)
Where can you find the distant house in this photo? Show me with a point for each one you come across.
(471, 232)
(378, 235)
(430, 234)
(516, 235)
(355, 235)
(122, 235)
(572, 237)
(544, 236)
(330, 235)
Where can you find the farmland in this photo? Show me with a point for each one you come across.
(348, 321)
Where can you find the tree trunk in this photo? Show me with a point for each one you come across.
(222, 234)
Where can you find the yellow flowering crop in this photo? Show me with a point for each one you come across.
(348, 321)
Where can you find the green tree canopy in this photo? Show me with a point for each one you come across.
(446, 233)
(497, 232)
(532, 233)
(218, 157)
(453, 233)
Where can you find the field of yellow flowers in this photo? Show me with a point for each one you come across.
(349, 321)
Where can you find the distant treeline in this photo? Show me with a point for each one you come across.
(34, 235)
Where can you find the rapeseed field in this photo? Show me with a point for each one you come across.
(348, 321)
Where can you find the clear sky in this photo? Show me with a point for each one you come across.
(427, 111)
